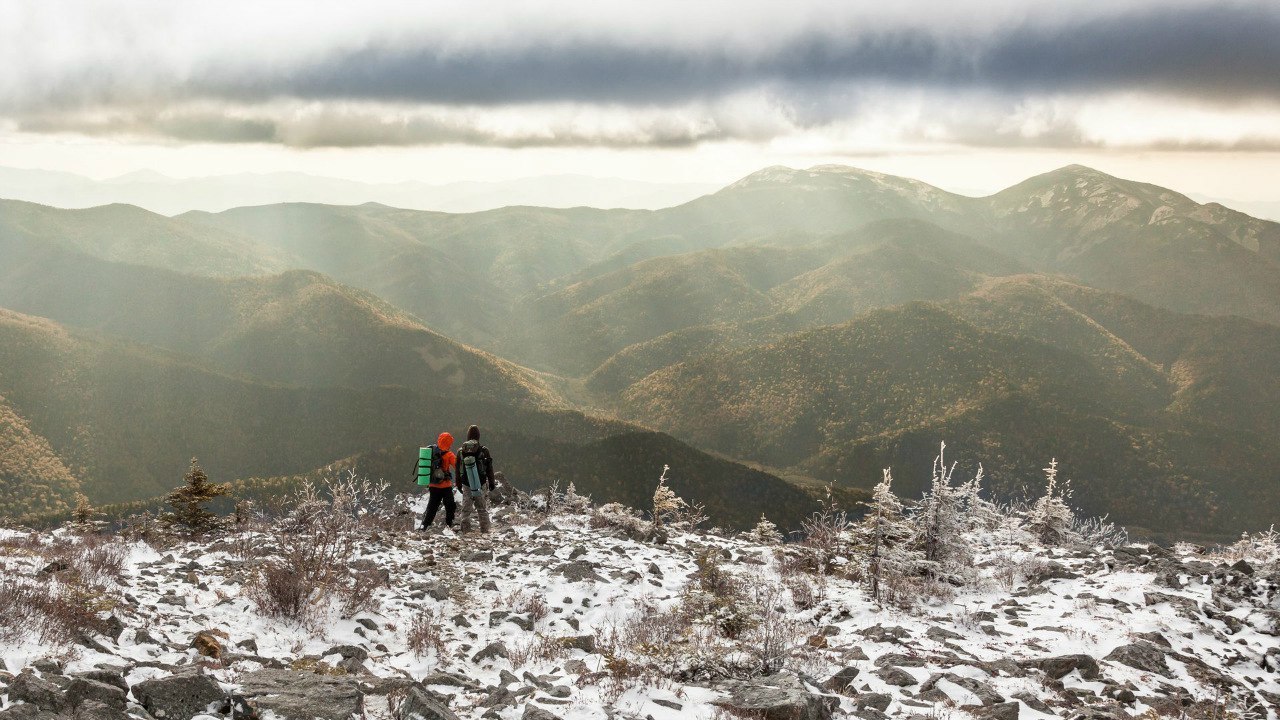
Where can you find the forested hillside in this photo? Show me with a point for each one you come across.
(824, 323)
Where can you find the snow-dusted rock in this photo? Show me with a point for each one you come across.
(81, 690)
(36, 691)
(777, 697)
(301, 695)
(179, 697)
(1144, 656)
(533, 712)
(418, 704)
(1058, 667)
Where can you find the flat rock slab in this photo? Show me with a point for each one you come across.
(179, 697)
(776, 697)
(300, 695)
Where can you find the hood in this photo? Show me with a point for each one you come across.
(445, 441)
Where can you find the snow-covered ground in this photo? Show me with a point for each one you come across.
(552, 614)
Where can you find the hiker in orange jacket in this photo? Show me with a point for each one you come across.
(441, 489)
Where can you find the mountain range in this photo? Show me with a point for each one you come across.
(793, 328)
(170, 196)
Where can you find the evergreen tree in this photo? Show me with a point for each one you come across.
(883, 537)
(84, 516)
(1051, 518)
(979, 514)
(765, 532)
(940, 524)
(189, 499)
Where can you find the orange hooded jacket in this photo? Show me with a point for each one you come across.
(448, 461)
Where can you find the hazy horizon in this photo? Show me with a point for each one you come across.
(170, 195)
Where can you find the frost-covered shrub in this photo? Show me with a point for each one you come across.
(85, 518)
(827, 533)
(672, 510)
(311, 555)
(1098, 532)
(776, 632)
(617, 515)
(1262, 549)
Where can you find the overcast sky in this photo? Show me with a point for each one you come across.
(969, 95)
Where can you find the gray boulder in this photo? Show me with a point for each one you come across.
(110, 677)
(841, 681)
(999, 711)
(1060, 666)
(299, 695)
(533, 712)
(1143, 656)
(179, 697)
(35, 691)
(94, 710)
(419, 704)
(27, 712)
(893, 675)
(984, 692)
(585, 643)
(453, 679)
(775, 697)
(82, 689)
(348, 652)
(580, 571)
(874, 701)
(495, 649)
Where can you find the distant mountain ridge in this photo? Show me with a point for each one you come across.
(172, 196)
(825, 323)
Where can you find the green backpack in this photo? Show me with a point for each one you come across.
(430, 468)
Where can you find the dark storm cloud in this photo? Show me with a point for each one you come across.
(617, 86)
(360, 128)
(1219, 52)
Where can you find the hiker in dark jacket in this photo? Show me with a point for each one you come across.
(475, 499)
(441, 489)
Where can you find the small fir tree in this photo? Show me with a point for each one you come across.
(189, 499)
(84, 516)
(940, 525)
(882, 535)
(765, 532)
(1051, 518)
(978, 513)
(572, 501)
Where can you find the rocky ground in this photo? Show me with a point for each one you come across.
(560, 617)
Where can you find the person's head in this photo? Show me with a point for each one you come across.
(445, 441)
(473, 433)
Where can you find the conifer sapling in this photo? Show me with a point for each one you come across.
(189, 499)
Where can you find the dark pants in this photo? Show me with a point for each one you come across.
(439, 495)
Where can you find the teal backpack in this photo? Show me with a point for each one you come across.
(470, 468)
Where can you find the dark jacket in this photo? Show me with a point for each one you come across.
(484, 463)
